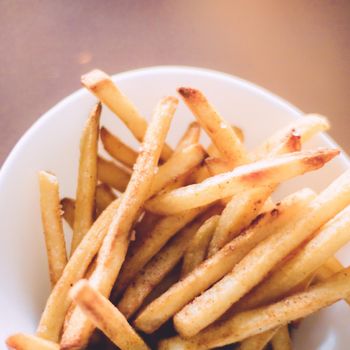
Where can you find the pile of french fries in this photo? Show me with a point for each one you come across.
(186, 244)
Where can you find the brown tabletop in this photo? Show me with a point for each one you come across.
(298, 49)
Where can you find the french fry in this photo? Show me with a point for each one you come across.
(291, 142)
(68, 209)
(252, 322)
(258, 342)
(214, 152)
(158, 267)
(117, 149)
(239, 132)
(113, 175)
(217, 165)
(106, 317)
(149, 244)
(328, 269)
(58, 302)
(220, 132)
(171, 278)
(281, 340)
(243, 208)
(52, 225)
(262, 173)
(177, 343)
(307, 127)
(21, 341)
(234, 264)
(261, 259)
(325, 243)
(197, 251)
(104, 197)
(115, 244)
(180, 163)
(201, 174)
(87, 178)
(190, 137)
(211, 270)
(102, 86)
(304, 128)
(237, 215)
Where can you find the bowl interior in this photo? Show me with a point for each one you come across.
(52, 143)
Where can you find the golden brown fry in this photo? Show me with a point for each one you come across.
(218, 129)
(111, 174)
(68, 209)
(179, 164)
(258, 342)
(328, 240)
(58, 302)
(118, 149)
(237, 215)
(171, 278)
(213, 151)
(199, 175)
(306, 127)
(104, 197)
(177, 343)
(301, 287)
(190, 137)
(197, 250)
(281, 340)
(102, 86)
(21, 341)
(243, 208)
(52, 225)
(217, 165)
(158, 267)
(261, 259)
(106, 317)
(262, 173)
(239, 132)
(291, 143)
(115, 244)
(149, 244)
(211, 270)
(328, 269)
(87, 178)
(249, 323)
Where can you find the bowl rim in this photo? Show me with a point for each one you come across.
(211, 73)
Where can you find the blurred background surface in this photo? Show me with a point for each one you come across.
(298, 49)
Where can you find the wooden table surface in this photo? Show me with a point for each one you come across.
(298, 49)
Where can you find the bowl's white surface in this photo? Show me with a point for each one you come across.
(52, 144)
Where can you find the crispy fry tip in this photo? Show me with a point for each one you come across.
(97, 109)
(188, 93)
(294, 140)
(322, 157)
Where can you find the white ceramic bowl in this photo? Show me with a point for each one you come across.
(52, 144)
